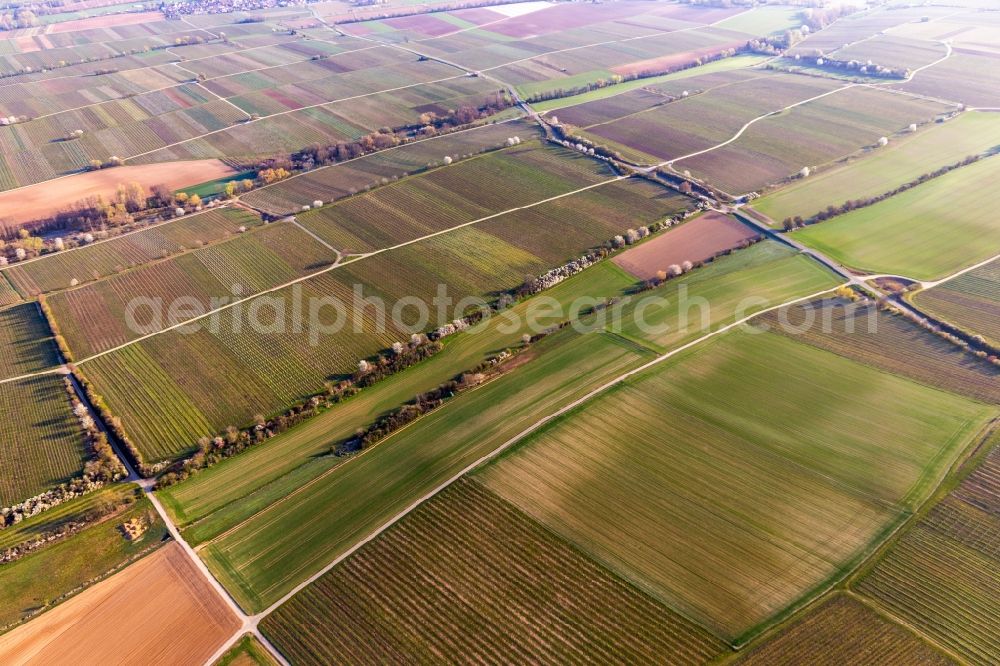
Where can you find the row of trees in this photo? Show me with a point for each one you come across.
(790, 223)
(102, 467)
(429, 124)
(211, 450)
(559, 93)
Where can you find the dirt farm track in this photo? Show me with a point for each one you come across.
(157, 611)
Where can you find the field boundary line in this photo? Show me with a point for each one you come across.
(518, 437)
(874, 605)
(289, 111)
(377, 152)
(334, 266)
(295, 221)
(111, 238)
(216, 95)
(740, 132)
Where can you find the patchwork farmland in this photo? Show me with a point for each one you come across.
(619, 332)
(841, 503)
(969, 300)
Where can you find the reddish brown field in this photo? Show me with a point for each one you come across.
(43, 199)
(109, 21)
(697, 14)
(425, 24)
(673, 60)
(157, 611)
(697, 240)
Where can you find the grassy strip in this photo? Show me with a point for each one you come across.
(48, 577)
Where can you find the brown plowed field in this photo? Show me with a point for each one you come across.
(157, 611)
(697, 240)
(109, 21)
(41, 200)
(666, 62)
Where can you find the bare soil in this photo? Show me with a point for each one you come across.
(157, 611)
(109, 21)
(42, 200)
(696, 240)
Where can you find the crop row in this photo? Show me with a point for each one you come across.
(890, 342)
(41, 442)
(94, 317)
(57, 271)
(467, 576)
(25, 341)
(945, 588)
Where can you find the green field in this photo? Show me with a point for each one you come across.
(26, 344)
(903, 160)
(41, 442)
(271, 551)
(925, 233)
(728, 289)
(890, 342)
(256, 370)
(47, 576)
(345, 178)
(467, 577)
(215, 187)
(247, 652)
(449, 196)
(723, 65)
(234, 480)
(740, 476)
(971, 301)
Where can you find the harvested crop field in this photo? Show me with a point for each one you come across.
(62, 567)
(720, 508)
(694, 241)
(843, 630)
(108, 21)
(157, 611)
(971, 301)
(887, 341)
(468, 577)
(42, 200)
